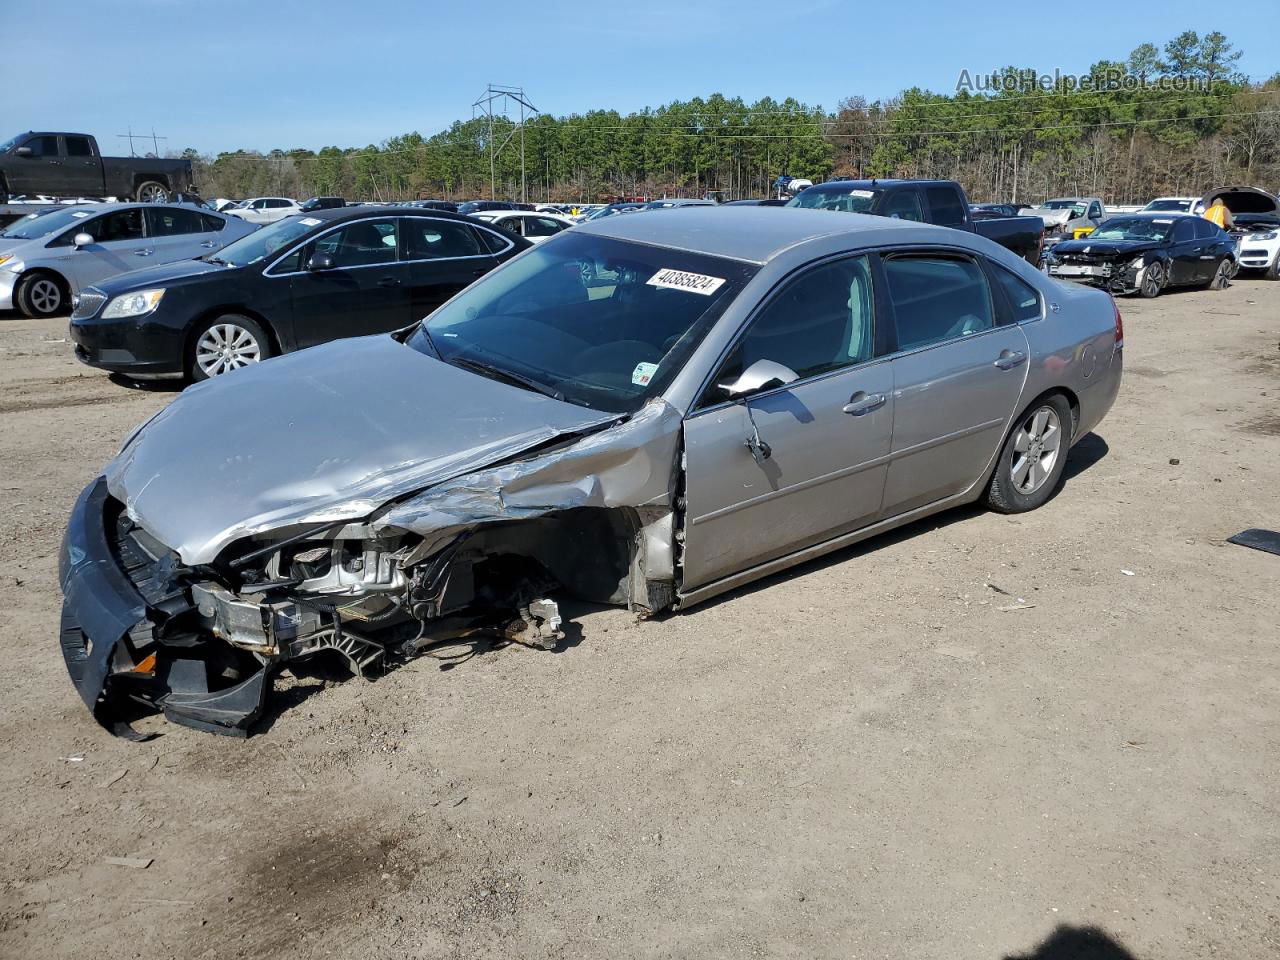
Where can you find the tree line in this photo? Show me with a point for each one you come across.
(1171, 120)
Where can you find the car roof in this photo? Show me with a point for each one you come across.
(352, 212)
(878, 183)
(758, 234)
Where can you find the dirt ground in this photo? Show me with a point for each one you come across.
(871, 756)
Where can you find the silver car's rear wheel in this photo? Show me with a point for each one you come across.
(228, 343)
(1037, 444)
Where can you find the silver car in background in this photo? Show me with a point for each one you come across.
(46, 261)
(645, 411)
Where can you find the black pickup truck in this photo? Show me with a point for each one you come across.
(928, 201)
(70, 165)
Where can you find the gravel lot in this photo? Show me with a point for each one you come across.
(871, 756)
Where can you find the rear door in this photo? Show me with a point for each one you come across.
(827, 434)
(958, 372)
(177, 233)
(83, 168)
(444, 257)
(367, 291)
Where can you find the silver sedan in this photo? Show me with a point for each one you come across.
(646, 411)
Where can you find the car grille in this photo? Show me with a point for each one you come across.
(88, 304)
(1253, 253)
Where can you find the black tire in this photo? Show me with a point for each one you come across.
(199, 367)
(1153, 280)
(151, 191)
(1221, 278)
(1005, 493)
(41, 295)
(1272, 272)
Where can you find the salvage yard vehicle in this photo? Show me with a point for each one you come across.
(1256, 227)
(1171, 205)
(70, 165)
(262, 210)
(942, 202)
(1062, 216)
(646, 411)
(45, 262)
(296, 283)
(534, 227)
(1147, 253)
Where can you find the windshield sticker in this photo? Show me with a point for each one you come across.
(643, 373)
(79, 215)
(1157, 220)
(862, 193)
(309, 221)
(679, 280)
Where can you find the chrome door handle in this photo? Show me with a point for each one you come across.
(1009, 359)
(143, 253)
(861, 403)
(210, 244)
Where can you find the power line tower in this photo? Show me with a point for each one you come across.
(498, 100)
(131, 136)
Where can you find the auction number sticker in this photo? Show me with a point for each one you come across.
(862, 193)
(309, 221)
(643, 373)
(680, 280)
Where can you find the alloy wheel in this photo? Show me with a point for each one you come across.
(45, 297)
(226, 346)
(1036, 448)
(153, 193)
(1153, 280)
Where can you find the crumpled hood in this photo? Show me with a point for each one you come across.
(1104, 249)
(327, 434)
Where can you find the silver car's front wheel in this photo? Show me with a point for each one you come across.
(1037, 444)
(228, 344)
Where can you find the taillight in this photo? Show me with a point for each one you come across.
(1119, 325)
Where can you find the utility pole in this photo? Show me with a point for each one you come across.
(485, 107)
(131, 136)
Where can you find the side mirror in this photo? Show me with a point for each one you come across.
(760, 375)
(22, 152)
(82, 240)
(320, 261)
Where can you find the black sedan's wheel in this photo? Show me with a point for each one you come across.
(41, 295)
(1033, 457)
(152, 192)
(1222, 276)
(1152, 280)
(227, 343)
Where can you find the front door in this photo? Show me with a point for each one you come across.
(444, 257)
(120, 245)
(366, 290)
(957, 376)
(1184, 263)
(818, 467)
(41, 172)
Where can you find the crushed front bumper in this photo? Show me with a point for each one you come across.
(105, 619)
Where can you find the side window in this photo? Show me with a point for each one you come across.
(79, 147)
(937, 298)
(1095, 211)
(361, 244)
(945, 205)
(492, 241)
(903, 204)
(277, 204)
(510, 224)
(1207, 230)
(440, 239)
(43, 146)
(1184, 231)
(121, 225)
(820, 321)
(1024, 299)
(212, 224)
(174, 221)
(541, 227)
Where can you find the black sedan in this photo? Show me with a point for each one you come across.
(1146, 253)
(298, 282)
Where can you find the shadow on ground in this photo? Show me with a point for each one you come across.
(1077, 943)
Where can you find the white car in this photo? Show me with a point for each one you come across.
(1173, 205)
(220, 204)
(534, 227)
(265, 209)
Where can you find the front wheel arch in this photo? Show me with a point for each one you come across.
(197, 324)
(53, 275)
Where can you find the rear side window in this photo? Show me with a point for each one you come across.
(492, 242)
(173, 221)
(212, 224)
(903, 204)
(79, 147)
(277, 204)
(937, 299)
(361, 244)
(1024, 300)
(820, 321)
(945, 204)
(440, 239)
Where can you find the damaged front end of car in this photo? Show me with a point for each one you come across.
(589, 515)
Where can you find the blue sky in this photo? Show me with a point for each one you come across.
(258, 74)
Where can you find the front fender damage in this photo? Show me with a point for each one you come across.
(591, 517)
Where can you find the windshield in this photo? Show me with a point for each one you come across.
(36, 225)
(1062, 205)
(602, 323)
(1133, 228)
(841, 198)
(266, 241)
(10, 143)
(1173, 206)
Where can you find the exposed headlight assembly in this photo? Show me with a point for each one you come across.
(133, 304)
